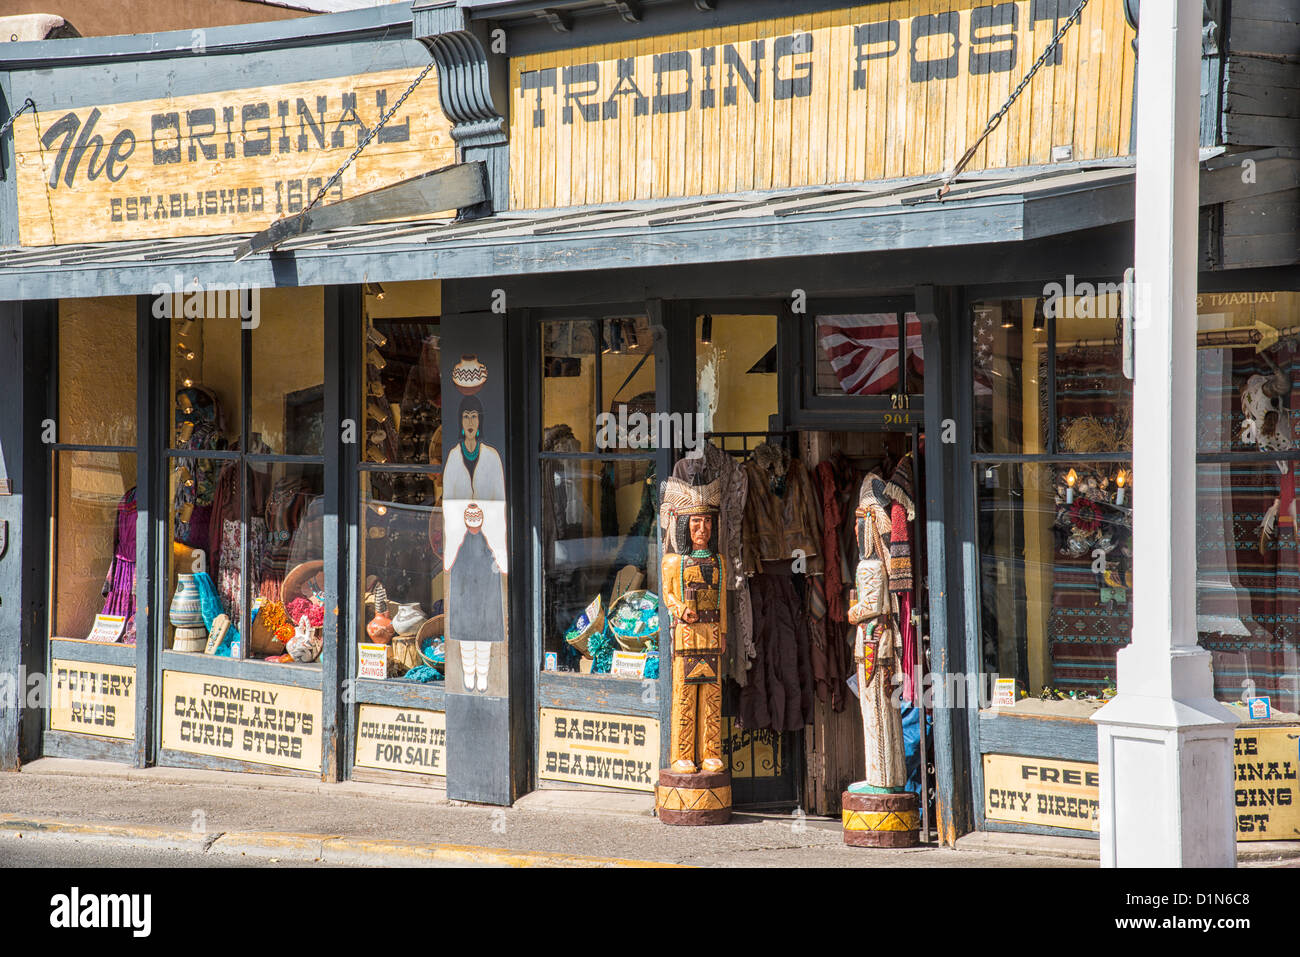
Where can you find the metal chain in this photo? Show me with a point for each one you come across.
(28, 104)
(1070, 21)
(367, 138)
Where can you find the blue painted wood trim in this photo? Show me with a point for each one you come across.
(598, 693)
(66, 744)
(1069, 739)
(298, 676)
(1009, 828)
(948, 647)
(24, 367)
(74, 650)
(400, 694)
(377, 22)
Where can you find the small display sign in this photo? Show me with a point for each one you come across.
(372, 661)
(107, 628)
(1004, 693)
(628, 664)
(1259, 709)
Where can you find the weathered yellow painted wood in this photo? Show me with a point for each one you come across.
(930, 75)
(222, 162)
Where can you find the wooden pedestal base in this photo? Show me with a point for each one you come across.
(701, 798)
(881, 820)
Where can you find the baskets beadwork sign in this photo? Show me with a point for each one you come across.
(223, 162)
(613, 750)
(242, 720)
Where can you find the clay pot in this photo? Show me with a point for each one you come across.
(380, 629)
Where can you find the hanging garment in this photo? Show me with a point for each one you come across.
(782, 514)
(285, 507)
(902, 511)
(780, 691)
(119, 583)
(832, 662)
(717, 466)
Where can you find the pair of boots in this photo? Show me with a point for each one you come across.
(475, 656)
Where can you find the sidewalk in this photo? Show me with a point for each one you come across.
(291, 819)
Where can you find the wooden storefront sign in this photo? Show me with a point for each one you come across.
(1051, 793)
(862, 93)
(401, 739)
(612, 750)
(221, 162)
(1041, 791)
(242, 720)
(1266, 793)
(93, 698)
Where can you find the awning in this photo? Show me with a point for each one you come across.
(1010, 206)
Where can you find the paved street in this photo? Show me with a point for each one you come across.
(199, 809)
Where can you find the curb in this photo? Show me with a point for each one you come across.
(331, 849)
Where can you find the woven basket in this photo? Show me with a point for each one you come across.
(432, 628)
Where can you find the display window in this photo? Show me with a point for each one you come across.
(246, 567)
(868, 353)
(94, 472)
(400, 630)
(1055, 494)
(599, 497)
(1053, 441)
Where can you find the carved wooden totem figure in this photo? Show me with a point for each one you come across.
(696, 787)
(878, 811)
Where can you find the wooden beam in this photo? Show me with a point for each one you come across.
(452, 187)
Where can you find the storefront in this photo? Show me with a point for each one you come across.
(244, 534)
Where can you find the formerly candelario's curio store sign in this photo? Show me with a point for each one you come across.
(231, 161)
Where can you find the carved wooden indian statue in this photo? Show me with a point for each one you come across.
(695, 788)
(878, 810)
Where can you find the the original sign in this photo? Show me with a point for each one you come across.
(93, 699)
(231, 161)
(1041, 791)
(242, 720)
(1265, 787)
(612, 750)
(401, 739)
(862, 93)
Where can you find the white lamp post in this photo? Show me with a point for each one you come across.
(1164, 743)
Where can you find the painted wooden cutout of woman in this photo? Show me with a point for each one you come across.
(476, 600)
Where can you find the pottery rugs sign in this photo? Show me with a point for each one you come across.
(93, 699)
(242, 720)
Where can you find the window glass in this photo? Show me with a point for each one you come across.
(205, 359)
(857, 354)
(94, 554)
(600, 576)
(205, 554)
(735, 372)
(97, 361)
(287, 370)
(1009, 376)
(1248, 580)
(400, 611)
(628, 377)
(570, 367)
(1246, 361)
(1094, 399)
(1055, 573)
(402, 578)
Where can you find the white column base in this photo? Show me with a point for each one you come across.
(1166, 770)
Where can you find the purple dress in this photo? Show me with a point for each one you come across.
(119, 584)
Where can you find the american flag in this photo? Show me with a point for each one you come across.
(863, 350)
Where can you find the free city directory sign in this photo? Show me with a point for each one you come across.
(223, 162)
(242, 720)
(1041, 791)
(611, 750)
